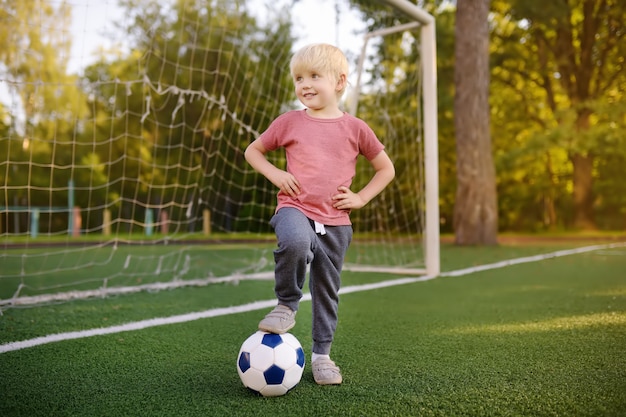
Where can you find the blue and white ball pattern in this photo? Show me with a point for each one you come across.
(270, 364)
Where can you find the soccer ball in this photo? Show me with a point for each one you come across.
(270, 364)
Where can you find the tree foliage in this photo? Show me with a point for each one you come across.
(33, 60)
(557, 92)
(156, 124)
(557, 110)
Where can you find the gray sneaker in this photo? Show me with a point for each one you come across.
(280, 320)
(325, 372)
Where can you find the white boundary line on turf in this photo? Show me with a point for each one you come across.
(258, 305)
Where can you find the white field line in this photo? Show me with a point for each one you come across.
(259, 305)
(105, 291)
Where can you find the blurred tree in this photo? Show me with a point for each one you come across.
(186, 102)
(558, 83)
(445, 20)
(45, 103)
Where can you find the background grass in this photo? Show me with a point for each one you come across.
(539, 339)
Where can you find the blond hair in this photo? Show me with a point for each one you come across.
(323, 58)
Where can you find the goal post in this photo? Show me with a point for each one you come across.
(428, 61)
(134, 169)
(431, 152)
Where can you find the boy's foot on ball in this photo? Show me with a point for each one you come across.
(279, 321)
(325, 372)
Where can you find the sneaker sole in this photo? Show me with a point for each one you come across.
(337, 381)
(270, 329)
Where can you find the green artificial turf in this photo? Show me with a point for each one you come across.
(545, 338)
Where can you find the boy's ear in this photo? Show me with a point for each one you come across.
(341, 82)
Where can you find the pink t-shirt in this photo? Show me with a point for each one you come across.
(322, 155)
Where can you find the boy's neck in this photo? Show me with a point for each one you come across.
(325, 113)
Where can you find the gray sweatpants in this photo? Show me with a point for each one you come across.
(299, 245)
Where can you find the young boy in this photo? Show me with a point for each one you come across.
(311, 221)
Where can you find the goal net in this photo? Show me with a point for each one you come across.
(121, 162)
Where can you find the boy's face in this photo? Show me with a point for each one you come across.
(317, 90)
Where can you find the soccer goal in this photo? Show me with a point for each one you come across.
(127, 174)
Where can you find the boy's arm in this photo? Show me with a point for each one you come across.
(255, 155)
(385, 171)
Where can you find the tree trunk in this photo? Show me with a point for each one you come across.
(549, 208)
(476, 207)
(583, 196)
(582, 163)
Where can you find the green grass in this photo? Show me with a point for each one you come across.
(545, 338)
